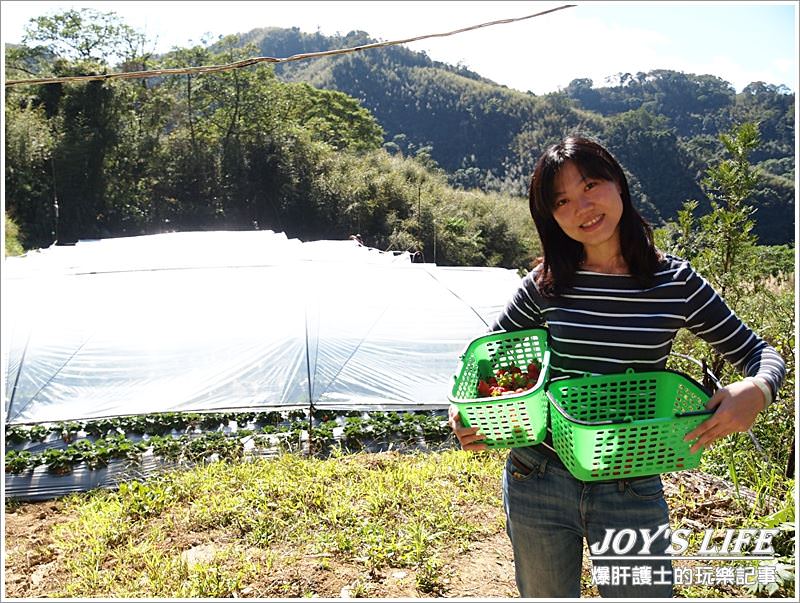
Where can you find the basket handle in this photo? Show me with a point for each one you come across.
(694, 413)
(564, 414)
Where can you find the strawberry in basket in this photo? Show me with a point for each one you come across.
(509, 380)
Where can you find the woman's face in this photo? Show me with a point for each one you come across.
(588, 210)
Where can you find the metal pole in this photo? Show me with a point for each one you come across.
(434, 241)
(54, 232)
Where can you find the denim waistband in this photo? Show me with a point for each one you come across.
(553, 458)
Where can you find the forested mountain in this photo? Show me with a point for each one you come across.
(410, 153)
(662, 125)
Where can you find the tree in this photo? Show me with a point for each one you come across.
(721, 245)
(29, 196)
(85, 35)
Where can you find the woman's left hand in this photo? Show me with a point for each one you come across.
(737, 406)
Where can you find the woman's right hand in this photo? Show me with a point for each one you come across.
(468, 437)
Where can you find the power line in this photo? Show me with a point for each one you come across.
(255, 60)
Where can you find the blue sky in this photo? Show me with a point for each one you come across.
(737, 41)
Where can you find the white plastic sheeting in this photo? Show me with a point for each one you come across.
(204, 321)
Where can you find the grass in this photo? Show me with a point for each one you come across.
(271, 528)
(256, 528)
(375, 511)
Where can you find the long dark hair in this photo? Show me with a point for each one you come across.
(563, 255)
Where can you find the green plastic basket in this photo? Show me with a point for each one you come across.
(626, 425)
(512, 420)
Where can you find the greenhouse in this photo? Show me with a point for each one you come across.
(200, 322)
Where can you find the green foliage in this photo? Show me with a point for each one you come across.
(721, 244)
(84, 35)
(488, 136)
(244, 149)
(30, 144)
(647, 144)
(334, 118)
(193, 437)
(17, 461)
(757, 283)
(13, 244)
(392, 511)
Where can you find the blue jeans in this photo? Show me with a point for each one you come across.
(549, 513)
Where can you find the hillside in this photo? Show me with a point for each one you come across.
(411, 153)
(662, 125)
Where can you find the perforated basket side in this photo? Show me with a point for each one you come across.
(488, 353)
(643, 448)
(509, 423)
(609, 398)
(516, 350)
(613, 426)
(512, 420)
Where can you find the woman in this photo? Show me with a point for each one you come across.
(610, 301)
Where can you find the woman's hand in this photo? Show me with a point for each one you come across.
(468, 437)
(737, 407)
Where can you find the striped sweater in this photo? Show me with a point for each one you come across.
(606, 323)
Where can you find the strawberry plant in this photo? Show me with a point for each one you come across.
(68, 430)
(38, 433)
(167, 446)
(324, 431)
(113, 444)
(18, 461)
(353, 429)
(60, 461)
(17, 434)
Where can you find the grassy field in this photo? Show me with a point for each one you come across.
(359, 525)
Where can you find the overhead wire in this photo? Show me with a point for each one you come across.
(256, 60)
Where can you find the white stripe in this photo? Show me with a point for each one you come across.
(610, 328)
(749, 365)
(766, 361)
(688, 299)
(710, 299)
(615, 315)
(627, 299)
(535, 305)
(629, 290)
(724, 320)
(681, 267)
(599, 359)
(726, 354)
(512, 320)
(599, 273)
(563, 370)
(766, 357)
(607, 343)
(609, 274)
(741, 326)
(523, 313)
